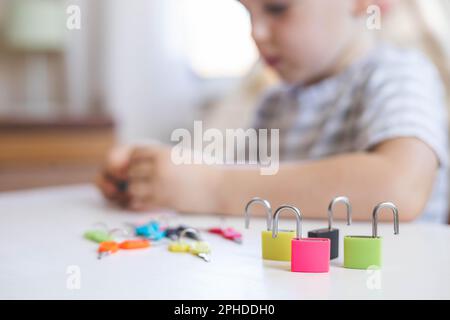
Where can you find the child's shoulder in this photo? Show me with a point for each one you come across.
(389, 63)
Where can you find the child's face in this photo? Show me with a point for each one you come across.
(303, 40)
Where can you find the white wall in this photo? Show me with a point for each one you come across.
(148, 87)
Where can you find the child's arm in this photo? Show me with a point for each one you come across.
(399, 170)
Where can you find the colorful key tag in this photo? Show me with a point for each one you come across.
(308, 254)
(109, 247)
(330, 233)
(106, 248)
(98, 236)
(151, 230)
(200, 248)
(362, 252)
(227, 233)
(104, 234)
(278, 248)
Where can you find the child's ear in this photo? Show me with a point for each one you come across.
(360, 6)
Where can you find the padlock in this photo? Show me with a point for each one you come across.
(362, 252)
(278, 249)
(308, 254)
(330, 233)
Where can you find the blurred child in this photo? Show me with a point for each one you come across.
(357, 117)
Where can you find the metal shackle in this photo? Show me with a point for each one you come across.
(376, 210)
(331, 206)
(267, 207)
(298, 218)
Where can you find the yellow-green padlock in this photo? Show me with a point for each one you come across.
(278, 248)
(363, 252)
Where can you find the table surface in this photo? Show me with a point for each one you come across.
(43, 255)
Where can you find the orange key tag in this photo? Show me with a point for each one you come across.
(107, 247)
(134, 244)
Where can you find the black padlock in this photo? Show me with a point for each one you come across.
(330, 233)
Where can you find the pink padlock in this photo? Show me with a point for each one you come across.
(307, 254)
(310, 255)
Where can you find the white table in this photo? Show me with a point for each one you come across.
(41, 237)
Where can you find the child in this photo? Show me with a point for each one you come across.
(356, 118)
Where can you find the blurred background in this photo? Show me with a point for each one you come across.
(138, 69)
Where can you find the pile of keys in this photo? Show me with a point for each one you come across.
(227, 233)
(152, 232)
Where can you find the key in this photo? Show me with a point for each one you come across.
(200, 247)
(202, 250)
(134, 244)
(174, 233)
(179, 247)
(205, 256)
(98, 236)
(151, 231)
(106, 248)
(228, 233)
(233, 235)
(109, 247)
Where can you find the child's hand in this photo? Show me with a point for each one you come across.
(115, 173)
(138, 177)
(155, 182)
(148, 184)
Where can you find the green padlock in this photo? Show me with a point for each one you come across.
(362, 252)
(278, 248)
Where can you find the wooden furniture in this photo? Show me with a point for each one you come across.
(48, 153)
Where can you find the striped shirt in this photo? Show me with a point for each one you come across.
(388, 94)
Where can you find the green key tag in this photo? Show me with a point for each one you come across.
(98, 236)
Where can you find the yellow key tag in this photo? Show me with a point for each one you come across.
(179, 247)
(200, 247)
